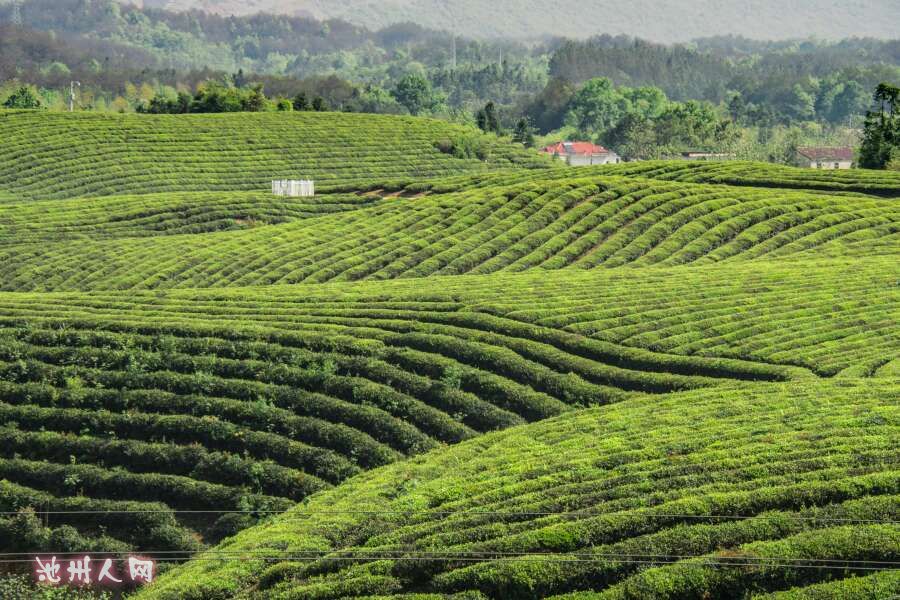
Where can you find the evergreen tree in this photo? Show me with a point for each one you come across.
(301, 102)
(524, 133)
(487, 119)
(881, 133)
(256, 101)
(239, 79)
(319, 104)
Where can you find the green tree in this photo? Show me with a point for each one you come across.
(319, 104)
(548, 109)
(596, 107)
(802, 104)
(415, 93)
(487, 119)
(634, 137)
(647, 101)
(24, 97)
(851, 100)
(881, 132)
(691, 125)
(524, 133)
(256, 99)
(301, 102)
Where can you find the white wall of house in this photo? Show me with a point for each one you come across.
(830, 164)
(585, 160)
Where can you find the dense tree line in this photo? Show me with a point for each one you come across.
(643, 99)
(763, 83)
(293, 47)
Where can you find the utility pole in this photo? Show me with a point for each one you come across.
(17, 13)
(72, 94)
(454, 51)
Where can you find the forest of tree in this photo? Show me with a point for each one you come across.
(753, 98)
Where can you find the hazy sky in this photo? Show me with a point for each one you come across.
(662, 20)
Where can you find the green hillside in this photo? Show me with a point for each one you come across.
(606, 364)
(466, 226)
(57, 155)
(256, 397)
(881, 183)
(794, 474)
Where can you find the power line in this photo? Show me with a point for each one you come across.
(382, 554)
(426, 513)
(691, 561)
(17, 13)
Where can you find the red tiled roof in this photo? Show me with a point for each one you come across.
(826, 153)
(566, 148)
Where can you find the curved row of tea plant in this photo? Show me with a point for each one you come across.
(258, 397)
(161, 214)
(740, 173)
(813, 466)
(482, 228)
(59, 155)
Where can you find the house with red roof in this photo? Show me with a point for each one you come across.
(825, 157)
(581, 154)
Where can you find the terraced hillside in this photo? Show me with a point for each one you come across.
(433, 341)
(253, 398)
(738, 492)
(464, 226)
(57, 155)
(879, 183)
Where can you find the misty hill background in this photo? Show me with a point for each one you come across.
(659, 20)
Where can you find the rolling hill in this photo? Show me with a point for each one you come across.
(54, 155)
(675, 379)
(666, 21)
(647, 498)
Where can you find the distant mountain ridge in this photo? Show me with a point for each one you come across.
(658, 20)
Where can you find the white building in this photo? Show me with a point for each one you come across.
(293, 187)
(825, 158)
(582, 154)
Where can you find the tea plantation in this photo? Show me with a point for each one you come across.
(462, 227)
(744, 489)
(56, 155)
(473, 378)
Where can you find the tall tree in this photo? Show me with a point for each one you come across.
(301, 102)
(415, 93)
(524, 133)
(881, 133)
(596, 107)
(488, 120)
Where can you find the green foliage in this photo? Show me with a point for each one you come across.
(881, 135)
(524, 133)
(487, 119)
(300, 102)
(21, 587)
(596, 107)
(24, 97)
(415, 93)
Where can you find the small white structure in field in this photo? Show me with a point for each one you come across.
(293, 187)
